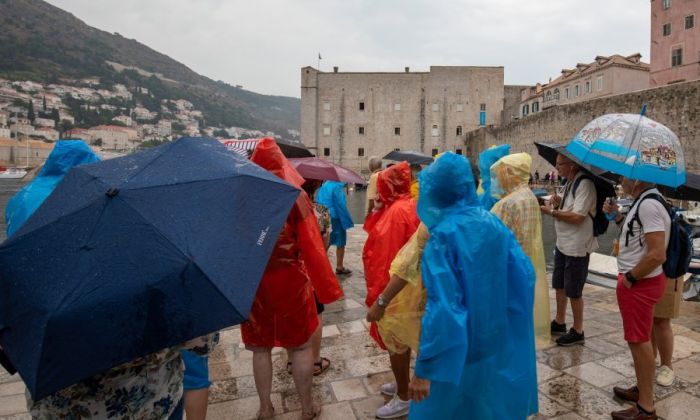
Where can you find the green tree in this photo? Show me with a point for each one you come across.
(55, 116)
(30, 113)
(44, 104)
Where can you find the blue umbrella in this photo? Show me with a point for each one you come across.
(132, 255)
(633, 146)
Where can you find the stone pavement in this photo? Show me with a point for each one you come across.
(574, 382)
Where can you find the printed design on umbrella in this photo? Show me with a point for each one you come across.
(631, 145)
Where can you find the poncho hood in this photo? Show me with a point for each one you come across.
(510, 173)
(486, 159)
(269, 156)
(394, 183)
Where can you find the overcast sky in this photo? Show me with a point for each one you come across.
(262, 44)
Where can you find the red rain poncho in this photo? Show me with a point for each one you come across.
(388, 229)
(284, 311)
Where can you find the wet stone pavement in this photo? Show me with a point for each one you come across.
(574, 383)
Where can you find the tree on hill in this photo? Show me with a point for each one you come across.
(30, 113)
(44, 104)
(55, 116)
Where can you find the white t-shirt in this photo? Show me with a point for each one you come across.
(654, 218)
(577, 240)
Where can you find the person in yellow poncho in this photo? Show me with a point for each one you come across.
(520, 212)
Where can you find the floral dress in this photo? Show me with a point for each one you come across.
(146, 388)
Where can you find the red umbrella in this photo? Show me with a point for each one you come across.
(317, 168)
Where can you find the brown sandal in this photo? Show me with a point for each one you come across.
(319, 367)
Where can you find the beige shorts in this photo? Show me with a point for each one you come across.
(670, 304)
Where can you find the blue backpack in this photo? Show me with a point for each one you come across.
(680, 246)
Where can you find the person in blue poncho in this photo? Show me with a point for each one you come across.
(332, 195)
(486, 159)
(65, 155)
(476, 355)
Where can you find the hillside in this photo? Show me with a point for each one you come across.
(43, 43)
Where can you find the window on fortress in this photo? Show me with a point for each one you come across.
(326, 106)
(397, 106)
(666, 29)
(326, 151)
(482, 107)
(397, 131)
(460, 107)
(677, 57)
(577, 90)
(665, 4)
(526, 109)
(361, 131)
(599, 82)
(362, 106)
(436, 107)
(361, 151)
(435, 131)
(690, 22)
(459, 130)
(326, 130)
(397, 149)
(458, 151)
(435, 152)
(535, 107)
(588, 87)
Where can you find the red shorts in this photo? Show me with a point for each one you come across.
(637, 306)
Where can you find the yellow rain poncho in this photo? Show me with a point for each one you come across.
(520, 212)
(400, 326)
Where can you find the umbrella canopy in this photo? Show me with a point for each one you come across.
(132, 255)
(289, 149)
(633, 146)
(689, 191)
(317, 168)
(550, 151)
(409, 156)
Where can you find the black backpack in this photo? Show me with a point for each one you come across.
(680, 246)
(603, 190)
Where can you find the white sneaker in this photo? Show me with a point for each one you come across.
(388, 389)
(665, 376)
(396, 407)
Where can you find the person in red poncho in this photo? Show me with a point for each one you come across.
(389, 228)
(284, 310)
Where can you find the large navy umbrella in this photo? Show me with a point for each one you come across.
(410, 156)
(132, 255)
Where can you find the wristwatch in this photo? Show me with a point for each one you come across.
(630, 278)
(381, 302)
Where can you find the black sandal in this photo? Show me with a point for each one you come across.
(318, 366)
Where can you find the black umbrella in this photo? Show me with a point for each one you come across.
(689, 191)
(550, 151)
(409, 156)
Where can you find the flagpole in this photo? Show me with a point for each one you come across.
(319, 62)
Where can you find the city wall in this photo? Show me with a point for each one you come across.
(676, 106)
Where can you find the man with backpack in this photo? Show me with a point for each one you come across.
(643, 242)
(573, 215)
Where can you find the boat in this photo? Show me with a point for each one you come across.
(13, 173)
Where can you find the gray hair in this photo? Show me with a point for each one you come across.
(375, 162)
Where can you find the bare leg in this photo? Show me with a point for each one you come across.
(340, 256)
(316, 340)
(662, 338)
(302, 372)
(643, 356)
(561, 306)
(401, 366)
(262, 373)
(577, 309)
(196, 401)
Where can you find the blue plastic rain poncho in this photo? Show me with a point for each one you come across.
(487, 158)
(65, 155)
(477, 341)
(332, 195)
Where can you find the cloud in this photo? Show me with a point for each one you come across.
(262, 44)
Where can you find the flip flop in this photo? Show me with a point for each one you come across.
(343, 271)
(319, 368)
